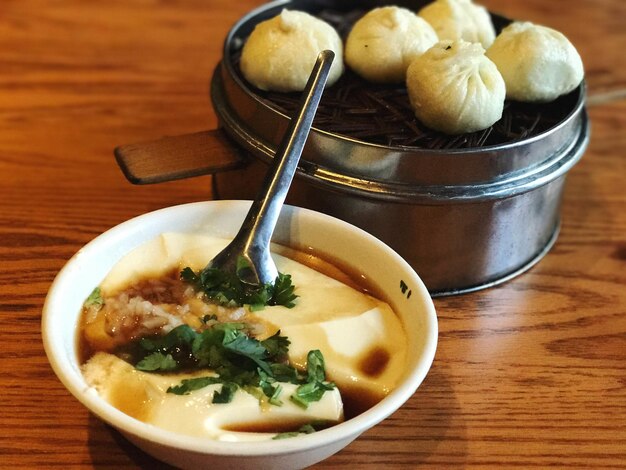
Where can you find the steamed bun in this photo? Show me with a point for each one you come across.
(383, 43)
(460, 19)
(454, 88)
(538, 63)
(280, 53)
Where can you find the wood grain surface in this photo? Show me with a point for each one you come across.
(528, 374)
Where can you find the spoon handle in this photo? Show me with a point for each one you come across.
(254, 236)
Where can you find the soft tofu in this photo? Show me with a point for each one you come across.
(365, 350)
(144, 396)
(362, 341)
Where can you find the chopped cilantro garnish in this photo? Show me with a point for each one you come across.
(157, 361)
(277, 346)
(225, 395)
(285, 373)
(275, 391)
(315, 366)
(305, 429)
(94, 300)
(282, 291)
(238, 361)
(228, 289)
(245, 346)
(189, 385)
(310, 392)
(270, 388)
(316, 384)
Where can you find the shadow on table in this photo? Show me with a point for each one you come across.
(429, 424)
(108, 448)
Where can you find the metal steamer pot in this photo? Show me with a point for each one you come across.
(464, 219)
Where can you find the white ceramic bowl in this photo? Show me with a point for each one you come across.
(297, 228)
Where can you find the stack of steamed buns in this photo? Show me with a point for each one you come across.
(457, 71)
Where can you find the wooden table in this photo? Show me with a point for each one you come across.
(528, 374)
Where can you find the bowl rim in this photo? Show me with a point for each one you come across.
(71, 378)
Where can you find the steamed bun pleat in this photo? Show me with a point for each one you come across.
(383, 43)
(280, 52)
(454, 88)
(460, 19)
(538, 63)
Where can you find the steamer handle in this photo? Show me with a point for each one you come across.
(179, 157)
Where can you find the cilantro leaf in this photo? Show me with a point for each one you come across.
(95, 299)
(241, 344)
(285, 373)
(282, 291)
(316, 384)
(226, 394)
(273, 392)
(286, 435)
(187, 275)
(277, 346)
(269, 387)
(181, 336)
(238, 360)
(310, 392)
(229, 289)
(305, 429)
(207, 348)
(189, 385)
(157, 361)
(315, 366)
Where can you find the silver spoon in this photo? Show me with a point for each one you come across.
(252, 242)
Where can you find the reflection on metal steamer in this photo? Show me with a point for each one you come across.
(465, 219)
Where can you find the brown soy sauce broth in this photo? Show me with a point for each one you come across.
(355, 399)
(333, 267)
(171, 295)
